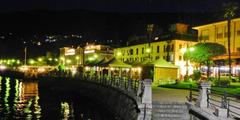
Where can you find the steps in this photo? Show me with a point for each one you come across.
(170, 111)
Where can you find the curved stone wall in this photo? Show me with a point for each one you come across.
(123, 105)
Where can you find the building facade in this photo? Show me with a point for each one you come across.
(71, 57)
(97, 53)
(217, 33)
(156, 50)
(169, 46)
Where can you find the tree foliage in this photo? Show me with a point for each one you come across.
(203, 52)
(230, 9)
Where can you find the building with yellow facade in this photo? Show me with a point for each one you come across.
(217, 33)
(169, 47)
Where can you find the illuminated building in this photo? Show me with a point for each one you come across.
(217, 33)
(71, 56)
(169, 47)
(97, 53)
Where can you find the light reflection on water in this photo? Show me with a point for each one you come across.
(18, 99)
(24, 100)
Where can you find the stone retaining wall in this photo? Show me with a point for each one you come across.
(121, 104)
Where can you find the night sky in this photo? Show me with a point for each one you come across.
(101, 20)
(115, 5)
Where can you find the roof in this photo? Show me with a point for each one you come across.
(109, 63)
(158, 63)
(116, 63)
(215, 23)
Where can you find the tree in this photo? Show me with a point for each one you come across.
(203, 52)
(230, 10)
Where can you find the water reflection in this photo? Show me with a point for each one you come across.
(25, 100)
(18, 99)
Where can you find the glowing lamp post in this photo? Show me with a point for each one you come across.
(31, 62)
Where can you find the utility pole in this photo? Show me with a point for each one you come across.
(149, 30)
(25, 55)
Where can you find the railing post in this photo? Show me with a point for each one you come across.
(223, 110)
(146, 105)
(202, 98)
(228, 103)
(190, 94)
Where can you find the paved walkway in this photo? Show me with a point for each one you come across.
(169, 95)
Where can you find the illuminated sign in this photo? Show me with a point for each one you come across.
(70, 52)
(92, 47)
(89, 51)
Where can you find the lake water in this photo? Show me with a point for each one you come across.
(24, 100)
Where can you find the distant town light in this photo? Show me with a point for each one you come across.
(119, 53)
(192, 49)
(40, 59)
(24, 68)
(87, 68)
(68, 61)
(95, 56)
(148, 50)
(70, 52)
(139, 69)
(90, 58)
(111, 68)
(3, 67)
(31, 61)
(183, 50)
(89, 51)
(41, 69)
(38, 43)
(62, 58)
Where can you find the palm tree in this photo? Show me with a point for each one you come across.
(229, 12)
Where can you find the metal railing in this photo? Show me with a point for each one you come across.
(193, 94)
(217, 99)
(123, 83)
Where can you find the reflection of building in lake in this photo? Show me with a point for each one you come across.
(18, 99)
(28, 93)
(28, 90)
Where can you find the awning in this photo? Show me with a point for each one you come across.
(161, 63)
(115, 63)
